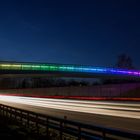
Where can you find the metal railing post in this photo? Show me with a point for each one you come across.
(79, 133)
(37, 127)
(3, 110)
(21, 116)
(61, 130)
(47, 127)
(28, 120)
(104, 135)
(6, 113)
(15, 114)
(10, 112)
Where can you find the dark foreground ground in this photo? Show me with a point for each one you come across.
(10, 130)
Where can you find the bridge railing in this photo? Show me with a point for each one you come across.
(61, 129)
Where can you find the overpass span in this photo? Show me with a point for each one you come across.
(64, 70)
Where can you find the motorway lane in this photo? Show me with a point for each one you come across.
(111, 114)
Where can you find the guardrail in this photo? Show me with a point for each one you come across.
(63, 129)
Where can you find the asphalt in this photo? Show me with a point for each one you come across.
(119, 115)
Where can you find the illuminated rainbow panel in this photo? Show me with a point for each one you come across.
(67, 68)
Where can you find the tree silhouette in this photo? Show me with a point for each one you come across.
(125, 61)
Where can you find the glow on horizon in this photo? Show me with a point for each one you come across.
(67, 68)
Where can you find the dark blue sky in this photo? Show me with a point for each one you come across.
(91, 32)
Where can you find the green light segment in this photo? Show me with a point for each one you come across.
(62, 68)
(54, 68)
(45, 67)
(36, 67)
(26, 67)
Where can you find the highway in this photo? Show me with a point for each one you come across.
(120, 115)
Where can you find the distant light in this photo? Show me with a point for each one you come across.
(67, 68)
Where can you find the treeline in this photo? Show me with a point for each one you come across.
(40, 82)
(55, 82)
(119, 81)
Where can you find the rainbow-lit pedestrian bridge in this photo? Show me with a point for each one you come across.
(63, 70)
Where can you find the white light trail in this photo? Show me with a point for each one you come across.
(127, 110)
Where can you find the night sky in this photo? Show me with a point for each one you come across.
(90, 32)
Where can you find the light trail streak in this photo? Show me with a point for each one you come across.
(127, 110)
(67, 68)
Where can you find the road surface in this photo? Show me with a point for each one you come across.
(120, 115)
